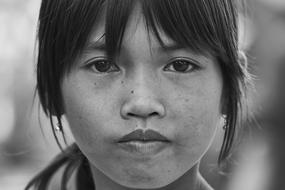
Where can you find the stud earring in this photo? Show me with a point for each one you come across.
(58, 127)
(225, 126)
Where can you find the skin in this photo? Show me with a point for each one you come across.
(144, 93)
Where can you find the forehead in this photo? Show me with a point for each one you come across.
(159, 24)
(136, 31)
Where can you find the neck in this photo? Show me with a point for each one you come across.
(191, 180)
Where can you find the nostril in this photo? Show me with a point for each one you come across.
(140, 115)
(131, 114)
(153, 114)
(142, 108)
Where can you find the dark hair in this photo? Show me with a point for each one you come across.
(65, 26)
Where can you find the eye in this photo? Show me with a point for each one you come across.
(101, 65)
(182, 65)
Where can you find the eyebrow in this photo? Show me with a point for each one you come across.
(97, 45)
(171, 47)
(100, 45)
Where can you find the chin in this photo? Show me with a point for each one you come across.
(152, 184)
(142, 180)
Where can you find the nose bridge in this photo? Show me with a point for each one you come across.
(143, 99)
(144, 80)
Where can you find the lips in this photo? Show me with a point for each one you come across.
(143, 136)
(141, 144)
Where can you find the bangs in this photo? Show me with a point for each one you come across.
(200, 25)
(65, 27)
(204, 26)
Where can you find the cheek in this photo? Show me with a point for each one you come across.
(197, 129)
(197, 115)
(88, 114)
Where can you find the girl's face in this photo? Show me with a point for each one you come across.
(171, 90)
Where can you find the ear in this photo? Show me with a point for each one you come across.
(224, 102)
(242, 60)
(54, 112)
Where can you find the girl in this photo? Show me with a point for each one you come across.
(144, 84)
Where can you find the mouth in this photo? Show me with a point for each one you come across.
(142, 142)
(143, 136)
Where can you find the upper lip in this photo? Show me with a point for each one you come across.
(140, 135)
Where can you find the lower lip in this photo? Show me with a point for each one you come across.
(144, 148)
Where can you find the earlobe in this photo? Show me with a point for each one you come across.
(54, 112)
(224, 106)
(224, 100)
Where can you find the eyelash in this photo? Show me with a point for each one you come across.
(193, 66)
(189, 64)
(91, 64)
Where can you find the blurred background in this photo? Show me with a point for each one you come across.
(258, 159)
(24, 149)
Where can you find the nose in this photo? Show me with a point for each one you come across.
(142, 107)
(143, 101)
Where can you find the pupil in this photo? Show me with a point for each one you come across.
(180, 66)
(102, 66)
